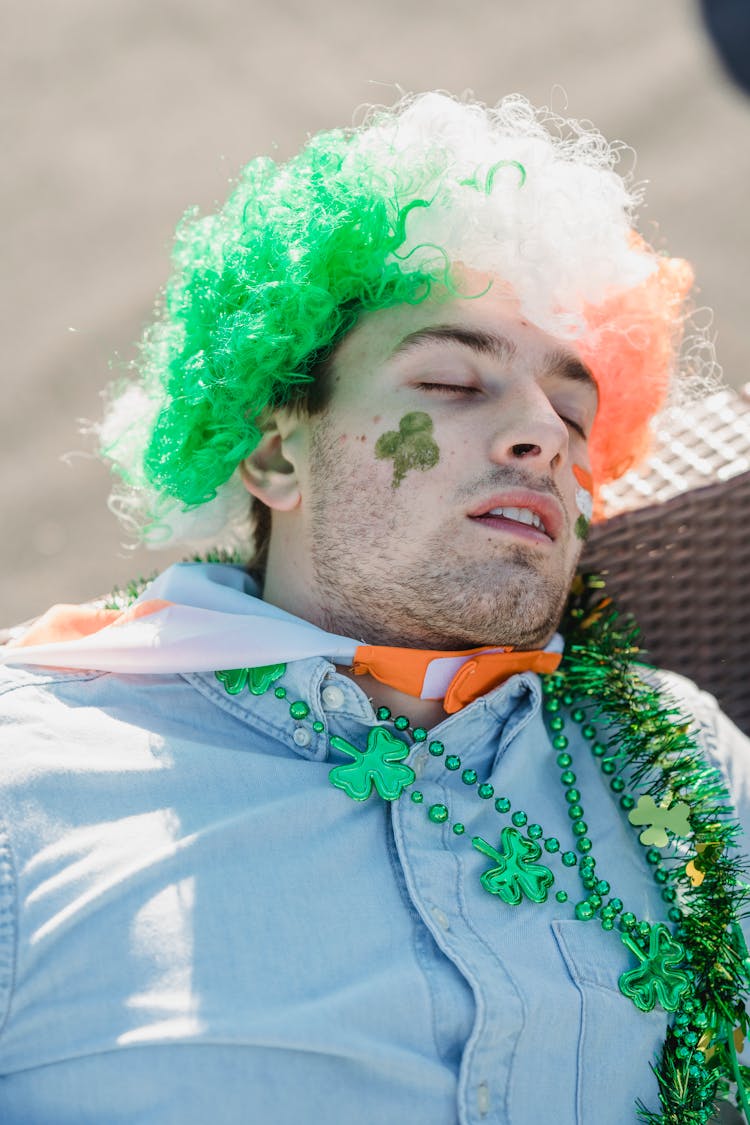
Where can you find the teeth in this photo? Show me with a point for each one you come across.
(520, 515)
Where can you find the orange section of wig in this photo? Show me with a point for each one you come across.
(631, 347)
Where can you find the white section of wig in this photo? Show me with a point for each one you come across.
(557, 229)
(160, 521)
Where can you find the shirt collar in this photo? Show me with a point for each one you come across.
(341, 705)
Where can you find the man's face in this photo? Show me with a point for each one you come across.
(438, 495)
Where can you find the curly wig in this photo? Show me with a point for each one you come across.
(367, 218)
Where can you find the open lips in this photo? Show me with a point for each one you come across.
(531, 514)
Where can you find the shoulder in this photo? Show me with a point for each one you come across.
(15, 677)
(723, 744)
(58, 721)
(26, 692)
(35, 699)
(714, 727)
(62, 723)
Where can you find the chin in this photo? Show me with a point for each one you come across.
(518, 607)
(442, 599)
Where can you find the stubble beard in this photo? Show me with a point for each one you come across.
(369, 589)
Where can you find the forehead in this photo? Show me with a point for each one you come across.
(489, 328)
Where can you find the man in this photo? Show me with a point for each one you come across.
(343, 840)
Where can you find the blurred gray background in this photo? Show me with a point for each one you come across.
(117, 115)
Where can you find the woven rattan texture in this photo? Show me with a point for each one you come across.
(705, 443)
(682, 567)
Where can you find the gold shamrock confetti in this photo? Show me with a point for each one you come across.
(674, 817)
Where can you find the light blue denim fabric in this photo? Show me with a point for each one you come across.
(195, 926)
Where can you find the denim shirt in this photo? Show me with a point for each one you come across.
(195, 925)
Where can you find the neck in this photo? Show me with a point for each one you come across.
(297, 595)
(292, 584)
(422, 712)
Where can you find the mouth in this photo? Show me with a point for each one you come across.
(534, 516)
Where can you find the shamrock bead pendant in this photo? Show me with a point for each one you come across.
(657, 979)
(515, 873)
(257, 680)
(380, 764)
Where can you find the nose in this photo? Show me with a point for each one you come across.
(530, 430)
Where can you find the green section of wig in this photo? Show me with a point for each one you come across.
(260, 292)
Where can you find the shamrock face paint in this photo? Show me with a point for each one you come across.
(584, 500)
(411, 446)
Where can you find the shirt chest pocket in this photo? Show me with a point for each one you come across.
(616, 1042)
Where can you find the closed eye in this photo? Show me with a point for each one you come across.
(449, 388)
(469, 389)
(576, 426)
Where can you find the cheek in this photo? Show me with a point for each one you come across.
(410, 447)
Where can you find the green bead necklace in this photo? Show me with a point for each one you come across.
(701, 971)
(515, 872)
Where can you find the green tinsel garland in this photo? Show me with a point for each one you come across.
(658, 749)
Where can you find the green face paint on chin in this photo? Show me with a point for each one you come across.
(411, 446)
(582, 527)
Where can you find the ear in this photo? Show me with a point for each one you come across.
(268, 474)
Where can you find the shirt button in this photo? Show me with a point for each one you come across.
(333, 697)
(301, 736)
(442, 919)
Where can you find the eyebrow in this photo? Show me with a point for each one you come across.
(560, 362)
(496, 346)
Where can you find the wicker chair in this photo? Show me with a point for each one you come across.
(675, 548)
